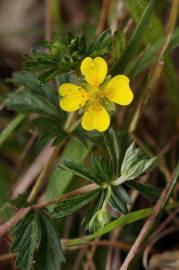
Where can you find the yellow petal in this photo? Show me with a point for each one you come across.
(69, 88)
(118, 90)
(96, 118)
(73, 102)
(94, 70)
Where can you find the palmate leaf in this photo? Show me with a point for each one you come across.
(80, 170)
(25, 242)
(69, 206)
(36, 243)
(50, 253)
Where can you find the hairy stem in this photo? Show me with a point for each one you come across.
(21, 213)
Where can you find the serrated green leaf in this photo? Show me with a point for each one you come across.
(50, 254)
(25, 102)
(102, 45)
(27, 80)
(80, 170)
(151, 193)
(25, 242)
(31, 82)
(69, 206)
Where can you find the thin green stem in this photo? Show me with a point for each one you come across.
(118, 223)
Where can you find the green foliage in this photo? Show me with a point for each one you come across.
(101, 169)
(25, 242)
(49, 128)
(79, 170)
(50, 254)
(145, 59)
(63, 56)
(69, 206)
(123, 164)
(19, 202)
(115, 165)
(171, 86)
(11, 127)
(135, 163)
(154, 27)
(151, 193)
(99, 220)
(26, 102)
(60, 179)
(41, 99)
(120, 199)
(116, 145)
(93, 209)
(118, 46)
(102, 45)
(36, 243)
(135, 40)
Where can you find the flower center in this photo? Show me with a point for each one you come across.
(95, 99)
(95, 95)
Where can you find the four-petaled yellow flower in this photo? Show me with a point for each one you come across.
(93, 96)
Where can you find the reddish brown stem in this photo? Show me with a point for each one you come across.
(21, 213)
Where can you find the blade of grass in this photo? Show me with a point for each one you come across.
(135, 40)
(118, 223)
(11, 127)
(156, 69)
(149, 56)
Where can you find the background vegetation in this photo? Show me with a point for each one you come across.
(55, 177)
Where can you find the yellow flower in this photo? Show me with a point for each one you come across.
(92, 97)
